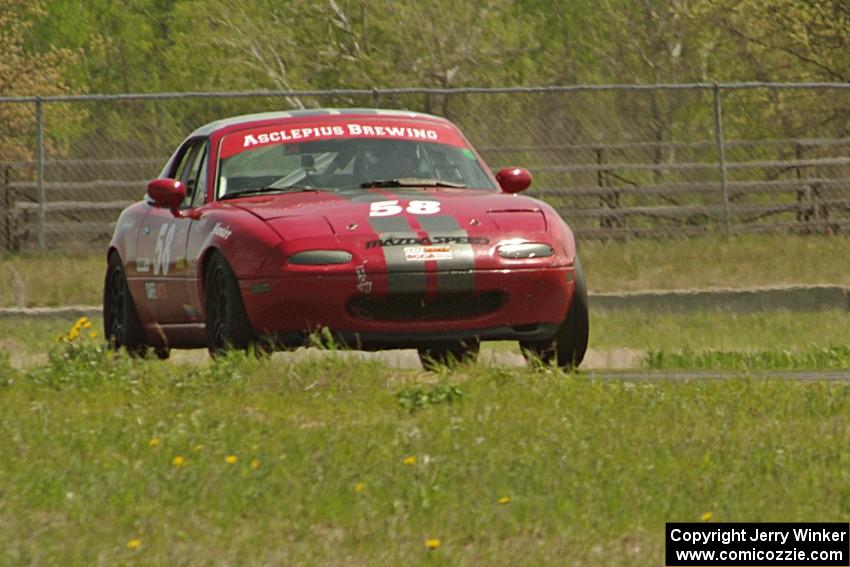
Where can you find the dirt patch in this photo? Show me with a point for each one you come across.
(19, 356)
(407, 359)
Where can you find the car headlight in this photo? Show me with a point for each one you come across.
(320, 257)
(525, 250)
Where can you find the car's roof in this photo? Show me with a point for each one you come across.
(223, 123)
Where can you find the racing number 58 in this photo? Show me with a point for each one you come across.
(162, 253)
(390, 208)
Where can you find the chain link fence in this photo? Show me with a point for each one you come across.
(617, 161)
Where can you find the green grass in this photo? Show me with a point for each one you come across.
(775, 330)
(29, 280)
(746, 261)
(592, 469)
(820, 358)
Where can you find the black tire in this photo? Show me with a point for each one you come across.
(121, 325)
(227, 324)
(569, 344)
(449, 354)
(161, 352)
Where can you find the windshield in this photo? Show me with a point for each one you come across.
(350, 164)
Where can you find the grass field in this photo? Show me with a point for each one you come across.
(791, 340)
(115, 461)
(746, 261)
(331, 460)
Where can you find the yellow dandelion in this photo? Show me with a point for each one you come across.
(504, 499)
(134, 544)
(154, 442)
(432, 543)
(707, 516)
(86, 325)
(411, 460)
(231, 459)
(73, 334)
(255, 464)
(93, 334)
(199, 447)
(359, 487)
(178, 461)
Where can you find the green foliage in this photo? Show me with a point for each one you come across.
(102, 46)
(813, 358)
(412, 399)
(7, 373)
(27, 72)
(312, 462)
(82, 361)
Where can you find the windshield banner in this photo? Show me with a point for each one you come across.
(358, 127)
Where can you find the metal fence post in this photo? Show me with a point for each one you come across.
(8, 213)
(721, 155)
(39, 179)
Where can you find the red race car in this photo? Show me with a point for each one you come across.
(383, 227)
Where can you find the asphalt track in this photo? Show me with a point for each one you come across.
(594, 369)
(685, 375)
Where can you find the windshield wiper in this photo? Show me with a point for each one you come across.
(412, 182)
(272, 190)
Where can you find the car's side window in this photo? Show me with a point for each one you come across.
(188, 170)
(201, 183)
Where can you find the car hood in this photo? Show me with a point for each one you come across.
(432, 210)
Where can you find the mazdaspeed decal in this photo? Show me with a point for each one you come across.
(427, 253)
(391, 241)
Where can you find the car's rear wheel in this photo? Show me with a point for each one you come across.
(227, 323)
(569, 344)
(449, 353)
(121, 325)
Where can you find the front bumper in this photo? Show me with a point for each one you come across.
(503, 304)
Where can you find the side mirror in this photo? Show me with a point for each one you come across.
(167, 193)
(513, 179)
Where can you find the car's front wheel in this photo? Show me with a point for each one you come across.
(227, 323)
(569, 344)
(449, 353)
(121, 325)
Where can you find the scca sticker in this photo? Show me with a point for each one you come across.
(426, 253)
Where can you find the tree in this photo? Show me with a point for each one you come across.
(26, 73)
(779, 41)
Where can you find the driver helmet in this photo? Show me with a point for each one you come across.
(395, 160)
